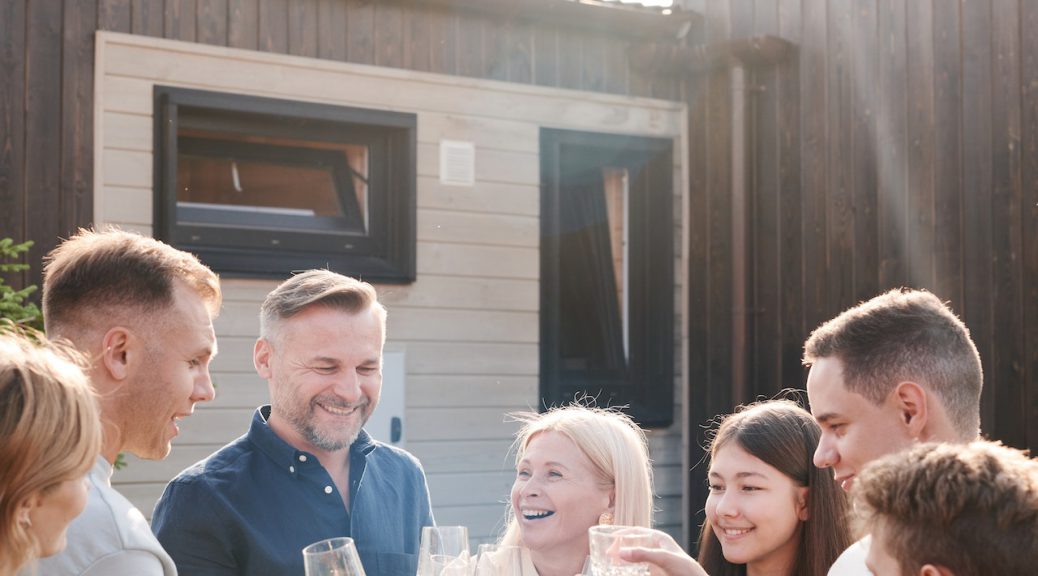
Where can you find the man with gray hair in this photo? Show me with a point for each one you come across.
(306, 470)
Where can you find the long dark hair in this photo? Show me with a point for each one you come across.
(784, 436)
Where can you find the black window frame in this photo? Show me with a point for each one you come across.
(247, 247)
(645, 385)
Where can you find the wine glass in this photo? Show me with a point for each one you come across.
(494, 560)
(605, 543)
(444, 551)
(332, 557)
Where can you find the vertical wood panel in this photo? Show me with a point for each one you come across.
(1006, 236)
(331, 29)
(766, 276)
(616, 66)
(865, 178)
(814, 175)
(570, 59)
(243, 24)
(302, 25)
(520, 52)
(976, 193)
(442, 26)
(947, 155)
(417, 43)
(273, 26)
(389, 31)
(495, 50)
(43, 125)
(842, 158)
(212, 22)
(77, 126)
(114, 15)
(1029, 185)
(469, 52)
(545, 55)
(360, 32)
(180, 20)
(593, 64)
(147, 17)
(892, 136)
(920, 193)
(12, 125)
(790, 232)
(698, 409)
(719, 210)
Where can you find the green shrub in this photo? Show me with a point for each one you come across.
(15, 307)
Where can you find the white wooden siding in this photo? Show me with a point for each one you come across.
(468, 325)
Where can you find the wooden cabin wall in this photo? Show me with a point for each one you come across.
(47, 67)
(897, 147)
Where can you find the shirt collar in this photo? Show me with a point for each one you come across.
(283, 453)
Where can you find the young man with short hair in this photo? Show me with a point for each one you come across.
(950, 510)
(142, 312)
(897, 370)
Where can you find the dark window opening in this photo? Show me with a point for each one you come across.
(263, 187)
(607, 281)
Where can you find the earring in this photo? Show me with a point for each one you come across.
(606, 518)
(25, 522)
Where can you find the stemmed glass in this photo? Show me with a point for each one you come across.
(494, 560)
(605, 543)
(332, 557)
(444, 551)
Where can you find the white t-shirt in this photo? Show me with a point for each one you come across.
(852, 561)
(110, 538)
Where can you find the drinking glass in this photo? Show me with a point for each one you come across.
(332, 557)
(444, 551)
(606, 542)
(494, 560)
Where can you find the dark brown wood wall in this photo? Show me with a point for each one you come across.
(897, 147)
(47, 67)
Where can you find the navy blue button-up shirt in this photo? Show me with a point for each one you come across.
(251, 508)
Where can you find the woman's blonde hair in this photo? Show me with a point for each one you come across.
(49, 432)
(614, 444)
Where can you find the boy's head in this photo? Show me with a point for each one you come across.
(950, 510)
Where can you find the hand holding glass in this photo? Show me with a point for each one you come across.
(332, 557)
(606, 542)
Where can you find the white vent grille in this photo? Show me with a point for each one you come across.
(457, 163)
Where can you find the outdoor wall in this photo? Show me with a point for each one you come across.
(896, 145)
(468, 326)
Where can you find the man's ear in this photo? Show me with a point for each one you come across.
(261, 354)
(117, 351)
(911, 402)
(934, 570)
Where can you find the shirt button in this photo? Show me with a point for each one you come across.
(327, 489)
(302, 457)
(292, 469)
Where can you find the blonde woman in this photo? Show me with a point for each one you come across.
(575, 467)
(49, 438)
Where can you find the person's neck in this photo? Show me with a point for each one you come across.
(112, 434)
(779, 562)
(565, 563)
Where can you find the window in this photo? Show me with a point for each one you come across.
(261, 187)
(607, 272)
